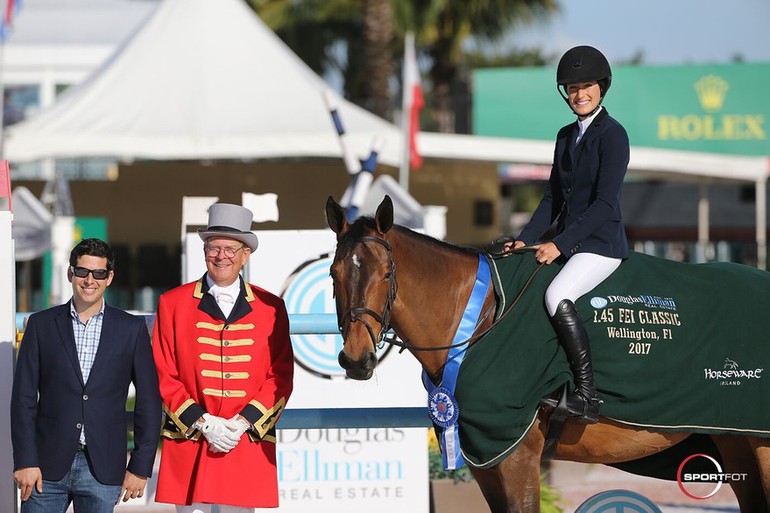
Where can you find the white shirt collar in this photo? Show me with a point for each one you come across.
(217, 291)
(583, 124)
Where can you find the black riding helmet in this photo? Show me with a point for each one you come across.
(583, 64)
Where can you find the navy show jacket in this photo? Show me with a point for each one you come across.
(583, 191)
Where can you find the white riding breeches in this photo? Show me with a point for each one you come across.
(580, 274)
(197, 507)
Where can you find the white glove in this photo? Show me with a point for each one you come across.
(219, 437)
(238, 426)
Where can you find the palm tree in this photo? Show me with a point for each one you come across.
(350, 37)
(314, 29)
(378, 64)
(442, 26)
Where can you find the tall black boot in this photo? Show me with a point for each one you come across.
(584, 403)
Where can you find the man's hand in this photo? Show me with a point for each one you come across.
(219, 437)
(546, 253)
(26, 478)
(238, 425)
(132, 487)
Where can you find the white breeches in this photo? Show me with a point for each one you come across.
(197, 507)
(580, 274)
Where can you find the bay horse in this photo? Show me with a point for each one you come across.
(387, 276)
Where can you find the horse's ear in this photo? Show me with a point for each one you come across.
(384, 215)
(335, 217)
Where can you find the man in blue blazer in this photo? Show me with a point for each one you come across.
(68, 422)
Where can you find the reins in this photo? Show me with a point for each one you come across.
(384, 319)
(405, 345)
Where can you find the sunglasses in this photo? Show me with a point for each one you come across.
(82, 272)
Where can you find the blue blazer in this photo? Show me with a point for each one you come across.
(50, 403)
(583, 191)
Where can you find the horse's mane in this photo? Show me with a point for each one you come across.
(362, 225)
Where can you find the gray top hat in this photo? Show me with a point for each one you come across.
(233, 221)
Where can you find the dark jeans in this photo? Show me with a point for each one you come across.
(79, 487)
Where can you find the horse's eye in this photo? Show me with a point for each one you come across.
(388, 275)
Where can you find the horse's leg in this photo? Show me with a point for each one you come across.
(513, 486)
(738, 457)
(611, 442)
(761, 450)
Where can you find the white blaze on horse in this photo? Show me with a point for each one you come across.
(386, 276)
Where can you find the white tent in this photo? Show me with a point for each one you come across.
(206, 79)
(203, 79)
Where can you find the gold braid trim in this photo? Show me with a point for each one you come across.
(249, 293)
(225, 359)
(224, 393)
(269, 416)
(241, 327)
(179, 411)
(267, 438)
(224, 375)
(238, 342)
(198, 292)
(209, 326)
(174, 428)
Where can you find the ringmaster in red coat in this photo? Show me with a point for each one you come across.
(226, 366)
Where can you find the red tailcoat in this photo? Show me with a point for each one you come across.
(242, 365)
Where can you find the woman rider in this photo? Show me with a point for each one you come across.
(583, 198)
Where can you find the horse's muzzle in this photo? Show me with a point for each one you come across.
(361, 369)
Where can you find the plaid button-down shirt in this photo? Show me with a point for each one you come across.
(87, 343)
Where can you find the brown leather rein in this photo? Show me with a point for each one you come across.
(384, 319)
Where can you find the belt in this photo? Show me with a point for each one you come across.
(81, 447)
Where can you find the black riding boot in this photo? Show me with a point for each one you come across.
(584, 403)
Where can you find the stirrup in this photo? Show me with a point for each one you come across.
(572, 403)
(585, 409)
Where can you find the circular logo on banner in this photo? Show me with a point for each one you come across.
(598, 302)
(618, 501)
(443, 409)
(309, 290)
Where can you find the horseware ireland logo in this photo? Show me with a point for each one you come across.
(731, 374)
(309, 290)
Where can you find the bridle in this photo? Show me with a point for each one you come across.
(383, 319)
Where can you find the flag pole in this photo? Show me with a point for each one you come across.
(2, 98)
(10, 8)
(406, 107)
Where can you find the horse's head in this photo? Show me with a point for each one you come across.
(364, 277)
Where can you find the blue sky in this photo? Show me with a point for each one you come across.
(668, 32)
